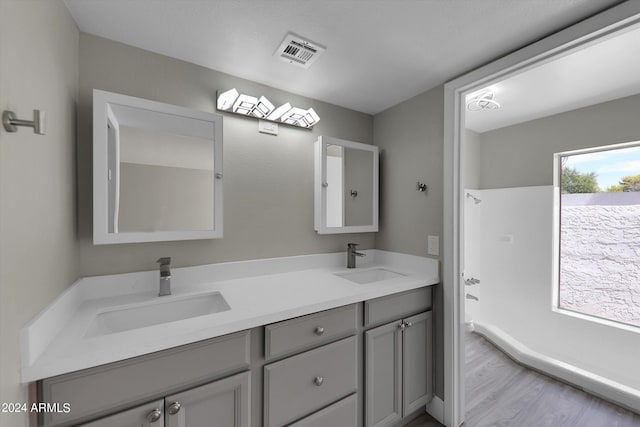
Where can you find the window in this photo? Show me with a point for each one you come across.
(599, 232)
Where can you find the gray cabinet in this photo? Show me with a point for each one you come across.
(383, 375)
(304, 372)
(302, 384)
(224, 403)
(343, 413)
(396, 306)
(417, 363)
(398, 377)
(302, 333)
(149, 415)
(121, 385)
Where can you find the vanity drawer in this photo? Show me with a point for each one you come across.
(305, 332)
(343, 413)
(391, 307)
(302, 384)
(97, 391)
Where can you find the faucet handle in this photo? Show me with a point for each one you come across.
(164, 260)
(353, 245)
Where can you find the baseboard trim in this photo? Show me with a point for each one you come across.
(435, 408)
(597, 385)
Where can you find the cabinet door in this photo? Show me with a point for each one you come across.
(417, 386)
(223, 403)
(149, 415)
(383, 377)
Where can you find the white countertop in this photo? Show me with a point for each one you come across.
(259, 292)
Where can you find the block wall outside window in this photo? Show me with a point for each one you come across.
(599, 266)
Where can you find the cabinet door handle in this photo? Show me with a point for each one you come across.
(174, 408)
(154, 415)
(408, 324)
(318, 381)
(319, 330)
(402, 325)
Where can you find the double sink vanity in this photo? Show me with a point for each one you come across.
(300, 341)
(296, 341)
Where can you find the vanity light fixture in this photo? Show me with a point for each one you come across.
(261, 108)
(252, 106)
(278, 112)
(483, 101)
(226, 99)
(245, 104)
(299, 117)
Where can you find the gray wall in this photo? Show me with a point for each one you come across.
(522, 154)
(268, 180)
(38, 249)
(470, 157)
(410, 137)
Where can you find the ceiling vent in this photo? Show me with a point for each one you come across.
(298, 50)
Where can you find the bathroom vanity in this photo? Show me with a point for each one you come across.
(302, 341)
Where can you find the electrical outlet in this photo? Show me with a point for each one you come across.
(433, 245)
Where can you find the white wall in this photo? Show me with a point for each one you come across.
(38, 249)
(514, 262)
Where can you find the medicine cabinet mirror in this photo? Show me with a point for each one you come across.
(157, 171)
(346, 186)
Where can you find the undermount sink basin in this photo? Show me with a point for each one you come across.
(163, 310)
(370, 275)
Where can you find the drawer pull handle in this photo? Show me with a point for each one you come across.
(154, 415)
(319, 330)
(174, 408)
(318, 381)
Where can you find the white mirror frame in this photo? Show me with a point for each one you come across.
(101, 114)
(320, 190)
(451, 411)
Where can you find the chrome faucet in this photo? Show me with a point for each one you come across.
(165, 276)
(352, 254)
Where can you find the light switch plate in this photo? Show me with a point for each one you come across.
(267, 127)
(433, 245)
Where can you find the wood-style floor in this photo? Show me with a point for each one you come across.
(499, 392)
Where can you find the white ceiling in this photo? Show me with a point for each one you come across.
(379, 52)
(598, 73)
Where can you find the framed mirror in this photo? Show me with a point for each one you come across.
(157, 171)
(346, 186)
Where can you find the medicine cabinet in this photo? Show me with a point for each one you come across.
(346, 186)
(157, 171)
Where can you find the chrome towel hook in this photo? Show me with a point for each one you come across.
(11, 122)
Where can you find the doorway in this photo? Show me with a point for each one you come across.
(520, 161)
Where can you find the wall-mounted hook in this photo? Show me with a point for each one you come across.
(10, 122)
(354, 193)
(421, 187)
